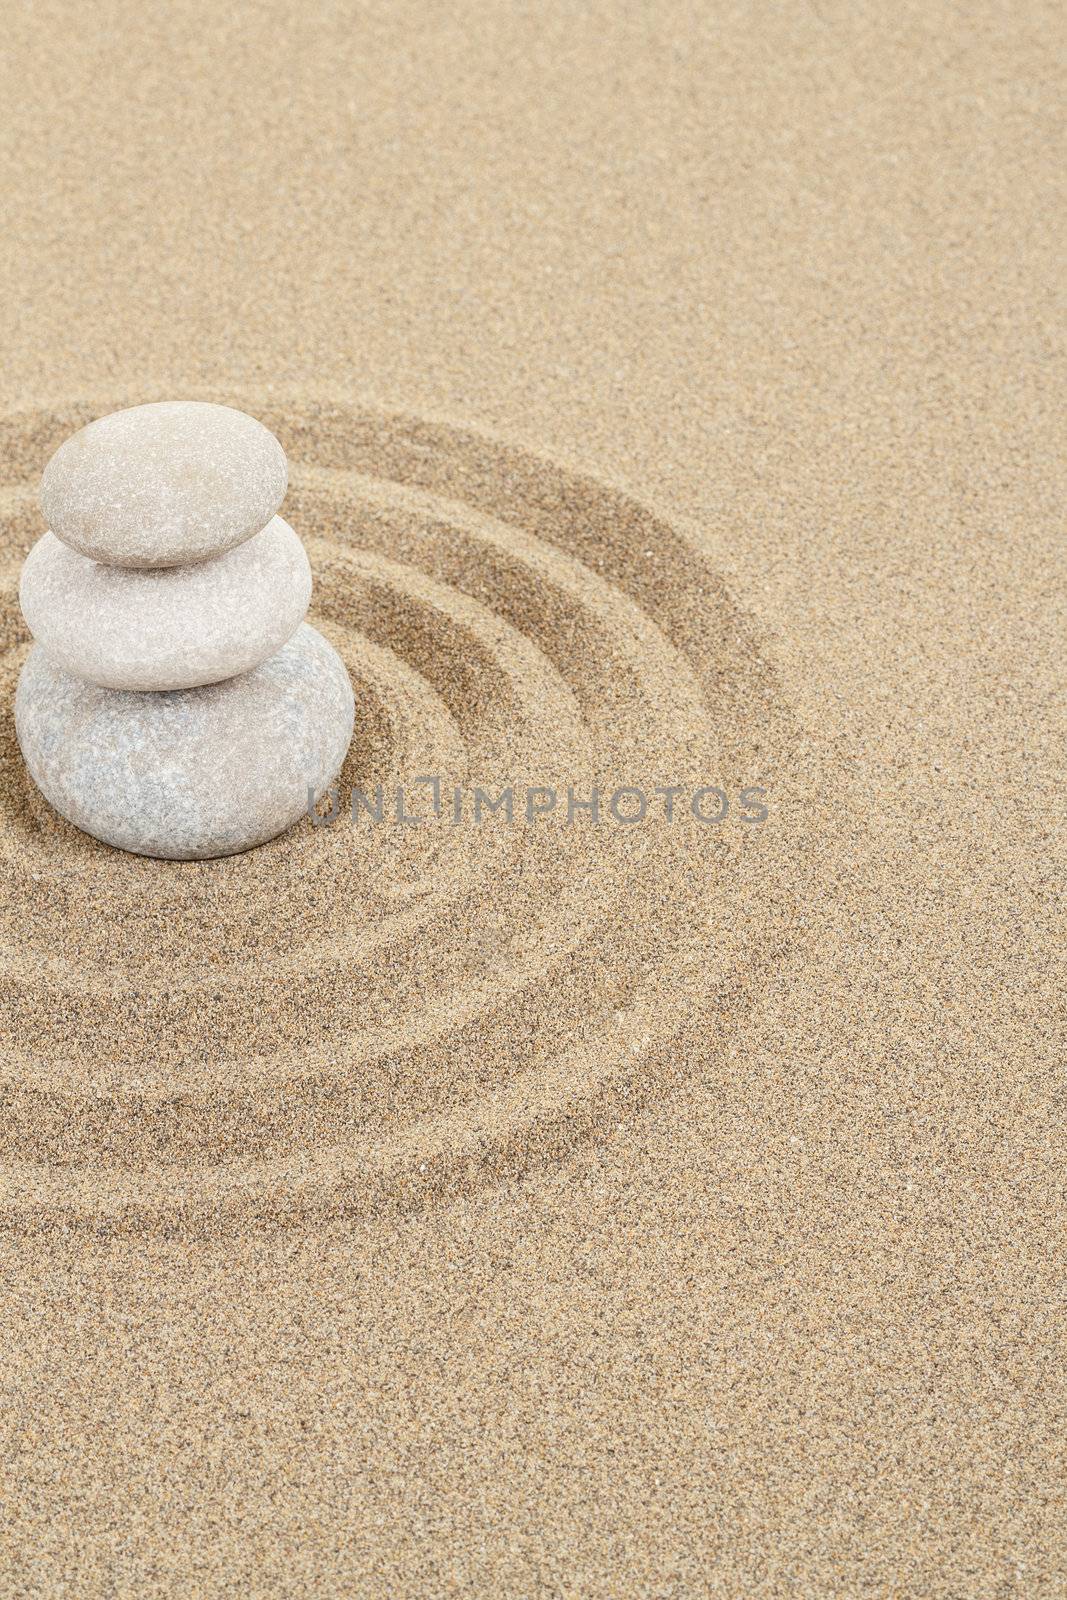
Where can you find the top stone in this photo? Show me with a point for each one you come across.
(163, 485)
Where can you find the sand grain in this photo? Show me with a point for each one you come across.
(671, 390)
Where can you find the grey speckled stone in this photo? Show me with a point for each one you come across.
(193, 772)
(171, 629)
(159, 485)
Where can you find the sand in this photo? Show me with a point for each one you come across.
(673, 396)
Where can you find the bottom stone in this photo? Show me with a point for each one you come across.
(188, 773)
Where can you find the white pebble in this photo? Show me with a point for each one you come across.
(163, 484)
(188, 773)
(169, 629)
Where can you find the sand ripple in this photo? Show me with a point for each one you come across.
(358, 1016)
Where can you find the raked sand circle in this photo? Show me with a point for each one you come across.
(356, 1017)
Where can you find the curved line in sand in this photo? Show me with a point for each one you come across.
(346, 1019)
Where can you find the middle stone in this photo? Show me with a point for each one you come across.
(171, 628)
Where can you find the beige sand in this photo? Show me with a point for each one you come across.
(674, 394)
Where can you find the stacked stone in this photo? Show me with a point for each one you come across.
(175, 704)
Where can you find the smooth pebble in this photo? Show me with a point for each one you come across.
(159, 485)
(169, 629)
(188, 773)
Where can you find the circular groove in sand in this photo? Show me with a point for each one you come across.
(351, 1018)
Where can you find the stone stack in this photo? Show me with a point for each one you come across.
(175, 704)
